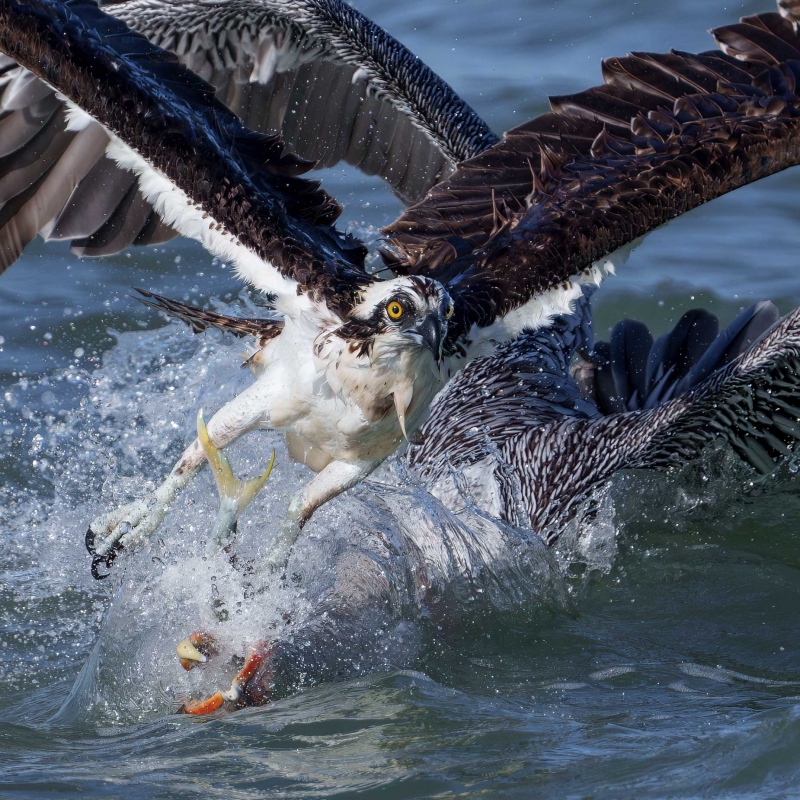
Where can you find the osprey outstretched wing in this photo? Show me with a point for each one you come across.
(331, 82)
(664, 134)
(501, 242)
(201, 169)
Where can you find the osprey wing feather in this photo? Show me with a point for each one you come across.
(515, 229)
(331, 82)
(203, 171)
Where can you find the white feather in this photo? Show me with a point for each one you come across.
(176, 210)
(540, 310)
(77, 118)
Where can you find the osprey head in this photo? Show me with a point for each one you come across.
(403, 312)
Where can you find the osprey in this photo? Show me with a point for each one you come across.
(119, 138)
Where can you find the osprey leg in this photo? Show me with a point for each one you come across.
(337, 477)
(135, 522)
(234, 495)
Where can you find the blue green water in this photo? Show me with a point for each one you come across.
(673, 673)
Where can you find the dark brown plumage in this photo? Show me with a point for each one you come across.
(240, 177)
(320, 74)
(753, 404)
(664, 134)
(518, 430)
(199, 320)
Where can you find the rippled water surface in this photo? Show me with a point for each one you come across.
(675, 672)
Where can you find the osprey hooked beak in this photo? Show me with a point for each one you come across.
(429, 332)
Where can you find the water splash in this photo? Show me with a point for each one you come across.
(388, 558)
(387, 544)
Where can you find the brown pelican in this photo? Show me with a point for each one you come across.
(516, 444)
(109, 139)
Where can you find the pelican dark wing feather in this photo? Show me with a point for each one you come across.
(525, 437)
(665, 133)
(752, 404)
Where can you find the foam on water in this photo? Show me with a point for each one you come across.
(129, 421)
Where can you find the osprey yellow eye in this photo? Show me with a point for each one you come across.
(451, 309)
(394, 310)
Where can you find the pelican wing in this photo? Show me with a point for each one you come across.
(205, 173)
(517, 429)
(333, 84)
(557, 195)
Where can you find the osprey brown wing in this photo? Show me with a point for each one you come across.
(664, 134)
(199, 320)
(170, 117)
(332, 83)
